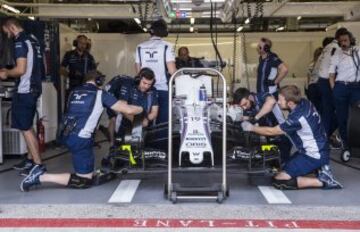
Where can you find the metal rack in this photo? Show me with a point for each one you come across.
(217, 191)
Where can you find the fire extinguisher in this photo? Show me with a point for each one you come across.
(41, 134)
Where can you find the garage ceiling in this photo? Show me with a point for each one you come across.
(229, 15)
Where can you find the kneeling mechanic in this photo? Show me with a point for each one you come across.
(308, 135)
(85, 106)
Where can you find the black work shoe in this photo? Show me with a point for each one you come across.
(285, 184)
(24, 164)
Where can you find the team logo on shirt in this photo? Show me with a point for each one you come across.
(151, 54)
(79, 96)
(316, 114)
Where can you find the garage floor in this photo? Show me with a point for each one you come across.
(148, 189)
(140, 197)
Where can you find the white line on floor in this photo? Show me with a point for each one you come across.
(125, 192)
(274, 196)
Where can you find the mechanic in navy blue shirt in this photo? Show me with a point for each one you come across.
(28, 71)
(85, 106)
(113, 87)
(271, 69)
(262, 108)
(76, 63)
(140, 93)
(308, 135)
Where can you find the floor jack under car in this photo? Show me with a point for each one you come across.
(194, 133)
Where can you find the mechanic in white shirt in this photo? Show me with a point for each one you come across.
(327, 108)
(159, 56)
(345, 78)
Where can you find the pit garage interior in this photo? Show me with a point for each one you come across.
(233, 180)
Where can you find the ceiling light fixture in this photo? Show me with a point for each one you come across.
(192, 21)
(299, 18)
(10, 8)
(207, 1)
(31, 17)
(239, 28)
(280, 28)
(191, 29)
(247, 21)
(137, 20)
(181, 1)
(185, 9)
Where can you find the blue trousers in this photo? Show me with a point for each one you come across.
(163, 115)
(314, 96)
(327, 112)
(344, 97)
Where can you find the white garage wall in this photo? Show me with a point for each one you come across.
(115, 52)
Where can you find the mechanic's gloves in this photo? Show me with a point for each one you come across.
(270, 82)
(247, 126)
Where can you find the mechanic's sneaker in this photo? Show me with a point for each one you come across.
(33, 178)
(26, 171)
(24, 164)
(327, 178)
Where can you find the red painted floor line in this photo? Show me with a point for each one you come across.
(175, 223)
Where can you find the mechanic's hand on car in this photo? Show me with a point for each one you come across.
(145, 122)
(245, 118)
(3, 74)
(247, 126)
(251, 119)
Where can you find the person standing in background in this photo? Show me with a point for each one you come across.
(77, 63)
(185, 60)
(345, 78)
(28, 72)
(159, 56)
(271, 70)
(327, 108)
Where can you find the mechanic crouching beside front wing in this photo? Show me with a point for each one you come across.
(303, 126)
(85, 106)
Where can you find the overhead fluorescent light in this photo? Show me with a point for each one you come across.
(192, 20)
(185, 9)
(298, 18)
(280, 28)
(207, 1)
(239, 28)
(191, 29)
(145, 29)
(181, 1)
(10, 8)
(137, 20)
(247, 21)
(31, 17)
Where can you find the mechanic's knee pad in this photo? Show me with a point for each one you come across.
(285, 184)
(79, 182)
